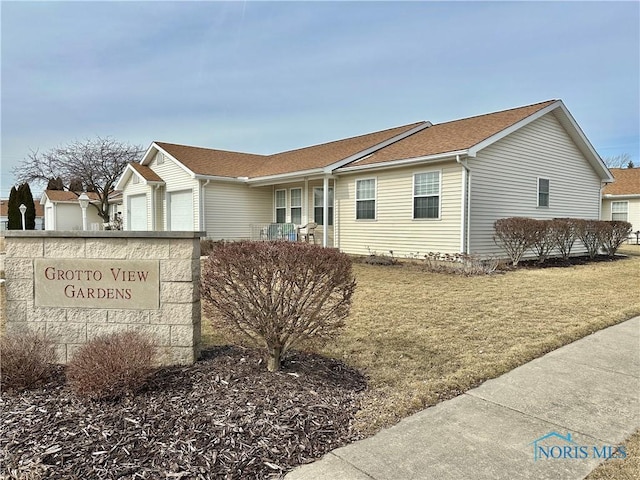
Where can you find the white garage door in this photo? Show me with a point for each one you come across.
(181, 210)
(137, 212)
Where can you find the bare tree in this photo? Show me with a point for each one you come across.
(96, 163)
(622, 160)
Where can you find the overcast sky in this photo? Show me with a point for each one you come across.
(264, 77)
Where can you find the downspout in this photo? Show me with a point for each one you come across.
(202, 204)
(465, 207)
(602, 186)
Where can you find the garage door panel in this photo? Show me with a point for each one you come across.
(137, 212)
(181, 210)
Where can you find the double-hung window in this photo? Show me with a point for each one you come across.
(543, 192)
(281, 206)
(318, 205)
(366, 199)
(295, 201)
(426, 195)
(620, 211)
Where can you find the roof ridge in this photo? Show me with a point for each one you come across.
(210, 149)
(547, 102)
(408, 126)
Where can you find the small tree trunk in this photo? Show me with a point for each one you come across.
(273, 361)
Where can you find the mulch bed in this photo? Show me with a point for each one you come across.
(224, 417)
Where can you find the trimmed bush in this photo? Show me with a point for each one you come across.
(614, 234)
(543, 240)
(277, 294)
(515, 235)
(563, 231)
(590, 233)
(26, 360)
(111, 366)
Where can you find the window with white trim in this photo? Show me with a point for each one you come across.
(543, 192)
(318, 205)
(281, 206)
(620, 211)
(295, 200)
(366, 199)
(426, 195)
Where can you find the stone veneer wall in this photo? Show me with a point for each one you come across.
(175, 325)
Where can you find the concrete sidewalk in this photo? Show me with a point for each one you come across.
(589, 389)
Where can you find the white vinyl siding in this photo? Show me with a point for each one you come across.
(620, 211)
(426, 195)
(504, 181)
(395, 228)
(230, 210)
(366, 199)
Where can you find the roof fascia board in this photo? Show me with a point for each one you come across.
(509, 130)
(404, 162)
(376, 147)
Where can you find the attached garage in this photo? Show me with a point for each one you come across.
(137, 212)
(180, 210)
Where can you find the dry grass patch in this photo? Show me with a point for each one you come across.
(424, 337)
(615, 469)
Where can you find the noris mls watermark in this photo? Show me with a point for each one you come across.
(555, 446)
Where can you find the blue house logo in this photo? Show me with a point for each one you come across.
(555, 446)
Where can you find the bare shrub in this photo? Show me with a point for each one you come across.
(277, 294)
(111, 366)
(563, 231)
(26, 360)
(515, 235)
(543, 240)
(591, 234)
(614, 234)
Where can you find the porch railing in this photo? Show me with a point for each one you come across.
(274, 231)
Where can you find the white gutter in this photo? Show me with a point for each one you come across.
(406, 161)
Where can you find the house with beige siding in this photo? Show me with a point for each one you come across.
(621, 199)
(413, 189)
(62, 211)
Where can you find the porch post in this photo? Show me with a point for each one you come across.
(325, 211)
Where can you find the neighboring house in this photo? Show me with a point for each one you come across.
(62, 211)
(415, 188)
(621, 199)
(4, 214)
